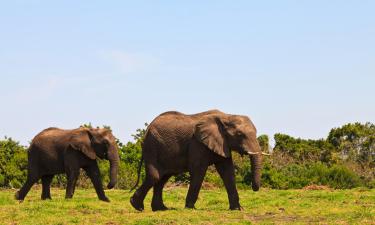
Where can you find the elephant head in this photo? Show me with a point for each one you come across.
(100, 143)
(222, 132)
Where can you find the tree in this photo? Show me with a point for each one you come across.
(300, 149)
(264, 143)
(355, 141)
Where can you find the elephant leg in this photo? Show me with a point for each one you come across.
(72, 176)
(226, 172)
(157, 198)
(152, 177)
(196, 179)
(21, 194)
(46, 183)
(94, 174)
(32, 178)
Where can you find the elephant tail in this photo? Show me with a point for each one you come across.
(138, 174)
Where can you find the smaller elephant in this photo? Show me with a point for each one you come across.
(55, 151)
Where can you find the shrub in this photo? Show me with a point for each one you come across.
(341, 177)
(300, 175)
(13, 163)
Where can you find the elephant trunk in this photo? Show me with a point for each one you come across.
(256, 165)
(256, 171)
(113, 158)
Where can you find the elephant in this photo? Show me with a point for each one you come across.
(175, 143)
(56, 151)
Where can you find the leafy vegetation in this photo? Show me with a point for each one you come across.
(13, 163)
(355, 206)
(345, 159)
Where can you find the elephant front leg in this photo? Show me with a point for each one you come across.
(94, 174)
(226, 172)
(196, 179)
(72, 176)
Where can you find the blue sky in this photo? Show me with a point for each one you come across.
(296, 67)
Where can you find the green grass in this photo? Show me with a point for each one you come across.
(356, 206)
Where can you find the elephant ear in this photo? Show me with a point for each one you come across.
(81, 141)
(209, 131)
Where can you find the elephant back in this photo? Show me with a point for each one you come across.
(171, 129)
(174, 130)
(50, 138)
(206, 113)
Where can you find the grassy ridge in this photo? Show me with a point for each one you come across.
(356, 206)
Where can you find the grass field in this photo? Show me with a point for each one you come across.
(355, 206)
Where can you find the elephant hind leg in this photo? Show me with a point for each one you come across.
(152, 177)
(46, 184)
(21, 194)
(157, 199)
(32, 177)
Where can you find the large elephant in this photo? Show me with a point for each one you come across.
(175, 143)
(55, 151)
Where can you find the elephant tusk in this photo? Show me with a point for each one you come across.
(253, 153)
(258, 153)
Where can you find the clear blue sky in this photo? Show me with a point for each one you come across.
(296, 67)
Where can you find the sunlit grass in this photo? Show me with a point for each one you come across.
(355, 206)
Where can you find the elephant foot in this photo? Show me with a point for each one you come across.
(136, 205)
(239, 208)
(104, 199)
(159, 207)
(189, 206)
(46, 198)
(17, 196)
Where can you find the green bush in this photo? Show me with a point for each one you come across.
(341, 177)
(296, 176)
(13, 163)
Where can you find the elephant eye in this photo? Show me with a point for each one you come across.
(106, 142)
(239, 134)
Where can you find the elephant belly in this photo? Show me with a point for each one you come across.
(173, 165)
(51, 164)
(173, 160)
